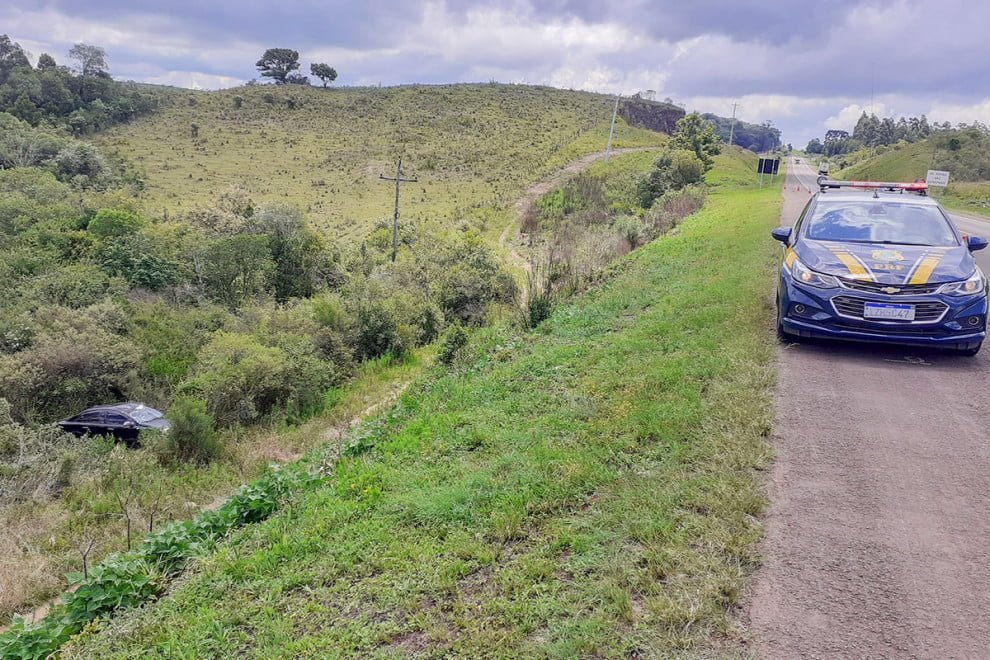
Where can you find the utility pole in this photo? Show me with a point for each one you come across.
(732, 126)
(395, 219)
(611, 131)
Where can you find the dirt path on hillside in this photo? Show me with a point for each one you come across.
(878, 534)
(542, 187)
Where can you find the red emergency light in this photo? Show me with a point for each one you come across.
(919, 187)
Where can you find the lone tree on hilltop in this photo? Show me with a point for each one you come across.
(278, 63)
(324, 72)
(92, 59)
(697, 135)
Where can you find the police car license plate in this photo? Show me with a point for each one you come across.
(888, 312)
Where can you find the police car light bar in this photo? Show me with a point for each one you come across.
(919, 187)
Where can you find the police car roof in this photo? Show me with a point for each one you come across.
(867, 196)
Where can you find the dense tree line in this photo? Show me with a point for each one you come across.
(872, 131)
(755, 137)
(80, 100)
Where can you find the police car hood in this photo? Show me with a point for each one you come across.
(887, 264)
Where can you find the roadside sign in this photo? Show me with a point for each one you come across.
(937, 178)
(768, 165)
(776, 164)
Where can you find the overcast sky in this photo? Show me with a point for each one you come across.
(806, 66)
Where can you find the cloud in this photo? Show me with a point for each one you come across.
(846, 118)
(805, 67)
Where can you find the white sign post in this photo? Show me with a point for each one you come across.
(938, 178)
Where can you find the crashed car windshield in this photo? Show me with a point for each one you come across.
(880, 222)
(143, 414)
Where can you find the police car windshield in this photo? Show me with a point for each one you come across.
(880, 221)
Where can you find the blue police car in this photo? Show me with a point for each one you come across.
(882, 262)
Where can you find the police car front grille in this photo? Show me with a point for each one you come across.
(927, 311)
(878, 287)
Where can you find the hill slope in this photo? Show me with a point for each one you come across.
(323, 150)
(586, 489)
(904, 163)
(967, 161)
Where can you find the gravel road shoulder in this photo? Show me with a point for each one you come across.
(878, 535)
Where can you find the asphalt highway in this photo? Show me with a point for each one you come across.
(878, 534)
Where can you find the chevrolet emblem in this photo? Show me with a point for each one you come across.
(890, 290)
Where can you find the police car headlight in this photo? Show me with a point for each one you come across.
(975, 284)
(805, 275)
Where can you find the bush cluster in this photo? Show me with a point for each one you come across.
(595, 217)
(240, 307)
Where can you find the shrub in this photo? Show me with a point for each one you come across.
(74, 285)
(630, 228)
(139, 261)
(374, 331)
(237, 268)
(672, 170)
(454, 341)
(672, 208)
(192, 437)
(36, 463)
(301, 264)
(72, 363)
(79, 161)
(114, 222)
(241, 380)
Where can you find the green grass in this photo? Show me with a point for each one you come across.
(736, 167)
(904, 163)
(590, 488)
(473, 147)
(967, 196)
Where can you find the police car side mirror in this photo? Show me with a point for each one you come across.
(975, 243)
(783, 234)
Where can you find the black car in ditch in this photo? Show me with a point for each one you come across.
(123, 421)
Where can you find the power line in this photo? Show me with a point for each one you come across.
(395, 219)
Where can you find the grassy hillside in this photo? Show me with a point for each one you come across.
(589, 488)
(912, 161)
(904, 163)
(323, 150)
